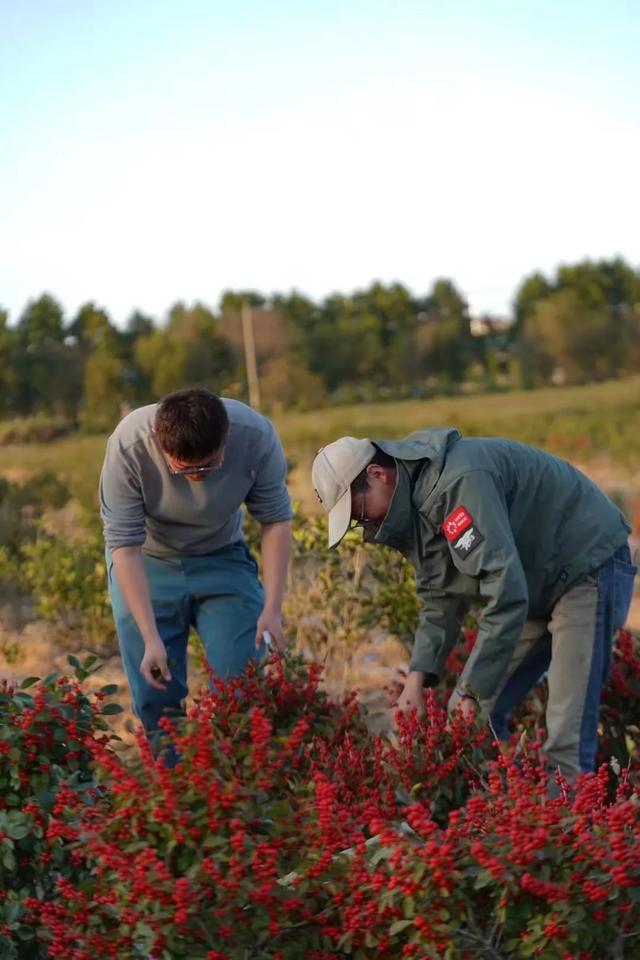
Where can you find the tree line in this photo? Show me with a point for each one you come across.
(581, 324)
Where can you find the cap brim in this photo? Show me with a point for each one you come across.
(340, 518)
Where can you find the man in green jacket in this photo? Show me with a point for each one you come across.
(494, 523)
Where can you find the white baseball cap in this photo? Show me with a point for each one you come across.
(334, 469)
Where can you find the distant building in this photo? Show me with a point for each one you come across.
(484, 325)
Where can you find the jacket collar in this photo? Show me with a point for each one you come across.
(420, 455)
(396, 530)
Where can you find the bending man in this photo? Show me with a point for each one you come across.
(493, 523)
(174, 478)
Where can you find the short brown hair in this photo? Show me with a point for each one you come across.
(191, 424)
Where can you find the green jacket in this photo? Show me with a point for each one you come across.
(496, 523)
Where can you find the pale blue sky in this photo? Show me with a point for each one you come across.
(154, 151)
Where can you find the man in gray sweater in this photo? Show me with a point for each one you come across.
(174, 478)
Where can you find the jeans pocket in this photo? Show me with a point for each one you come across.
(624, 581)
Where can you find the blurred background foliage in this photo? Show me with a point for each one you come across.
(82, 372)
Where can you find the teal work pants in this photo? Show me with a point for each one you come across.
(219, 594)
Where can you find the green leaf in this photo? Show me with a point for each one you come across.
(109, 689)
(29, 682)
(17, 831)
(8, 859)
(23, 699)
(73, 662)
(345, 942)
(110, 709)
(409, 907)
(398, 926)
(483, 879)
(12, 912)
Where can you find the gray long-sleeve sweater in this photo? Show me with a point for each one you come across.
(141, 502)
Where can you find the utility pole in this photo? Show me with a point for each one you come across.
(250, 355)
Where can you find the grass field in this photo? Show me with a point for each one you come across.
(578, 422)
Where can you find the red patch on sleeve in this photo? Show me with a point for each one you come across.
(456, 523)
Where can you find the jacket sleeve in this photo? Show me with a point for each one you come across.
(439, 622)
(475, 521)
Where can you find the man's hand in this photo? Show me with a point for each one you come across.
(411, 695)
(466, 705)
(272, 623)
(468, 708)
(154, 667)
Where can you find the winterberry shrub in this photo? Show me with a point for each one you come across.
(46, 727)
(288, 831)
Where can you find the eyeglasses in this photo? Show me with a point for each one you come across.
(196, 471)
(362, 519)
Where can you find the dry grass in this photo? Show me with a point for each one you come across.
(78, 459)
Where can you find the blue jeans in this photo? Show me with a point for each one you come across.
(574, 649)
(219, 594)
